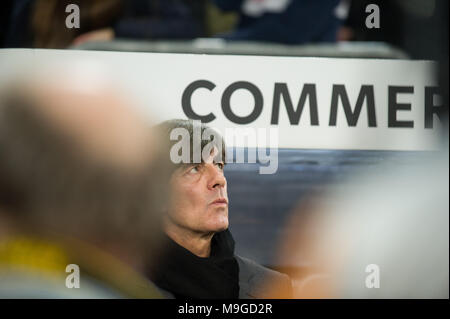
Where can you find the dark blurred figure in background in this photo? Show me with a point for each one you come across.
(152, 20)
(414, 26)
(78, 174)
(41, 23)
(283, 21)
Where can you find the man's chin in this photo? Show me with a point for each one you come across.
(219, 227)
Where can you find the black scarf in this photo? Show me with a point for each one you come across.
(186, 275)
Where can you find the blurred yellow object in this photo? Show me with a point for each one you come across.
(35, 263)
(34, 256)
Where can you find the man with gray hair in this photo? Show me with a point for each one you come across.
(199, 259)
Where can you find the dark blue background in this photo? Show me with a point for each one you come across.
(259, 204)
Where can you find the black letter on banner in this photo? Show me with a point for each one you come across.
(226, 102)
(430, 108)
(393, 106)
(186, 100)
(294, 115)
(366, 93)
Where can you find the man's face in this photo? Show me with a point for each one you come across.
(199, 200)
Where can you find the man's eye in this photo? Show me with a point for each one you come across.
(194, 169)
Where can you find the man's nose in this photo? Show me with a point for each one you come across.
(215, 176)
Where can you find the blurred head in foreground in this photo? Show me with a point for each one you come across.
(381, 235)
(77, 165)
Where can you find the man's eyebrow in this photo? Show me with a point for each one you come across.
(185, 165)
(220, 161)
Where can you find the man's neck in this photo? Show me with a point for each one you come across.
(197, 243)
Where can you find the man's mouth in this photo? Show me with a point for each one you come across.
(220, 201)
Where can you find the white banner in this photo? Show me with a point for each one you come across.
(315, 103)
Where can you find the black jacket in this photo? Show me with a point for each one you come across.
(252, 280)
